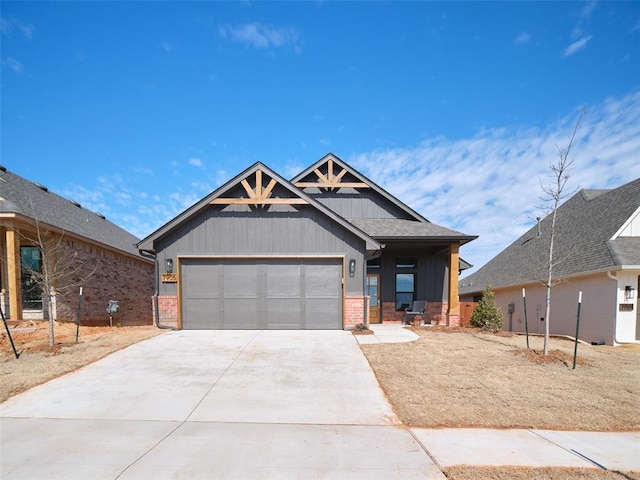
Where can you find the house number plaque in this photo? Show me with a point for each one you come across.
(169, 278)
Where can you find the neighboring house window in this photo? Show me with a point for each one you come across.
(405, 282)
(30, 263)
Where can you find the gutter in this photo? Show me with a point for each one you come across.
(156, 285)
(615, 323)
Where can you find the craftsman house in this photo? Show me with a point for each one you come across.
(596, 252)
(82, 249)
(326, 250)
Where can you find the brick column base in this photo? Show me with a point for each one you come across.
(354, 310)
(167, 309)
(454, 320)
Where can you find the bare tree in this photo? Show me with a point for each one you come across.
(63, 266)
(553, 194)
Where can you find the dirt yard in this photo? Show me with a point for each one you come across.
(468, 378)
(39, 363)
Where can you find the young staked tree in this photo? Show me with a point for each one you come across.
(553, 194)
(64, 268)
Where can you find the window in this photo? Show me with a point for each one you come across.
(30, 268)
(405, 281)
(405, 290)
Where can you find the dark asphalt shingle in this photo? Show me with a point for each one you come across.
(21, 196)
(586, 223)
(399, 228)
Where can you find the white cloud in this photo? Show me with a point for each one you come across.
(9, 25)
(522, 39)
(222, 177)
(579, 36)
(262, 36)
(14, 65)
(576, 46)
(196, 162)
(489, 185)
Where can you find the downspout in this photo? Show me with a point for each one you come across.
(615, 323)
(156, 286)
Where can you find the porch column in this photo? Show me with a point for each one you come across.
(453, 314)
(13, 272)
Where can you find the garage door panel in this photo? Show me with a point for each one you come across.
(284, 313)
(283, 281)
(202, 314)
(321, 281)
(204, 281)
(320, 313)
(240, 281)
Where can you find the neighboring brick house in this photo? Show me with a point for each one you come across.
(97, 254)
(596, 251)
(327, 249)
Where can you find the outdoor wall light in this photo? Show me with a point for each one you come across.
(352, 267)
(629, 292)
(169, 265)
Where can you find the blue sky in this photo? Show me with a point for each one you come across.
(139, 109)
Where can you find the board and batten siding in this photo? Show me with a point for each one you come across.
(282, 230)
(431, 274)
(351, 203)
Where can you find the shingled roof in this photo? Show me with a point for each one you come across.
(22, 197)
(586, 226)
(399, 229)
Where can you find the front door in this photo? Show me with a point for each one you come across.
(373, 290)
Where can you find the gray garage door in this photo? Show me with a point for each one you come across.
(261, 293)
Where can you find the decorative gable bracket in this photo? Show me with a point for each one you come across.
(330, 180)
(258, 194)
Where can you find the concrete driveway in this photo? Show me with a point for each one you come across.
(214, 404)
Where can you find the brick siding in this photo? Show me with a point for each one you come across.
(436, 314)
(117, 277)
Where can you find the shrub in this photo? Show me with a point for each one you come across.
(487, 315)
(361, 329)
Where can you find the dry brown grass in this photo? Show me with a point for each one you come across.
(468, 378)
(523, 473)
(39, 363)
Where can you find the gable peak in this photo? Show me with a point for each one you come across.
(329, 173)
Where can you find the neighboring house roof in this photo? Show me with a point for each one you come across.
(241, 179)
(589, 238)
(625, 251)
(19, 196)
(415, 227)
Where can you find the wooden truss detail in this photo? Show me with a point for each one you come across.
(258, 195)
(330, 180)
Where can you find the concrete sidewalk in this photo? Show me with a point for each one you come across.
(387, 333)
(256, 404)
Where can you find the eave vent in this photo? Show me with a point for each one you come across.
(41, 187)
(73, 202)
(101, 215)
